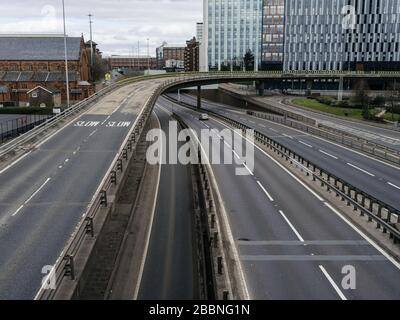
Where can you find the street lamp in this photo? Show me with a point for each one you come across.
(148, 57)
(66, 54)
(91, 44)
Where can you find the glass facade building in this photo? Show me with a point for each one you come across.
(232, 27)
(273, 24)
(342, 35)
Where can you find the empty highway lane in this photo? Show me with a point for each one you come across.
(292, 243)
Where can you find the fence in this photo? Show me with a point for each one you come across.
(12, 128)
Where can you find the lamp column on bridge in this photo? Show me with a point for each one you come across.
(198, 97)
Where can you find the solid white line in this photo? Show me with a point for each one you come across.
(37, 191)
(18, 210)
(328, 154)
(291, 226)
(332, 282)
(15, 162)
(148, 236)
(306, 144)
(265, 191)
(362, 170)
(393, 185)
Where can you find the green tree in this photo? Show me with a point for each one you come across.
(248, 60)
(99, 68)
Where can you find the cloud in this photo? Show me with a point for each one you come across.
(118, 24)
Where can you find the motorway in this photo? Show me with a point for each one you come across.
(170, 270)
(373, 176)
(292, 243)
(45, 193)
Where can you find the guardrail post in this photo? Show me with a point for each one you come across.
(219, 262)
(89, 228)
(103, 198)
(70, 267)
(119, 165)
(114, 177)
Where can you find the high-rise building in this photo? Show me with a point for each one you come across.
(273, 24)
(199, 31)
(192, 55)
(231, 28)
(342, 35)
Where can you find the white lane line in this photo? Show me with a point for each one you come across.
(272, 129)
(362, 170)
(265, 191)
(261, 125)
(37, 191)
(150, 230)
(276, 162)
(328, 154)
(285, 135)
(18, 210)
(306, 144)
(252, 121)
(393, 185)
(30, 198)
(332, 282)
(291, 226)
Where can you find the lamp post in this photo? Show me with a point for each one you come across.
(91, 44)
(66, 55)
(148, 57)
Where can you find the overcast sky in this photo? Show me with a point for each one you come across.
(118, 24)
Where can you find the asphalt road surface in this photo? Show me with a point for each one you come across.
(44, 195)
(375, 133)
(373, 176)
(292, 243)
(170, 271)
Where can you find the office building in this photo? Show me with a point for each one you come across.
(231, 28)
(342, 35)
(273, 24)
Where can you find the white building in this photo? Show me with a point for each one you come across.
(231, 28)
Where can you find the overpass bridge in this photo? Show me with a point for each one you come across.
(58, 181)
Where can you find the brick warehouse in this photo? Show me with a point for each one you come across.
(28, 61)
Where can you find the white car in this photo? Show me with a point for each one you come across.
(204, 117)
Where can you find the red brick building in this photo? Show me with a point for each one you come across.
(133, 63)
(30, 61)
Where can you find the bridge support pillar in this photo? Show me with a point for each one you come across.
(198, 97)
(309, 85)
(260, 88)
